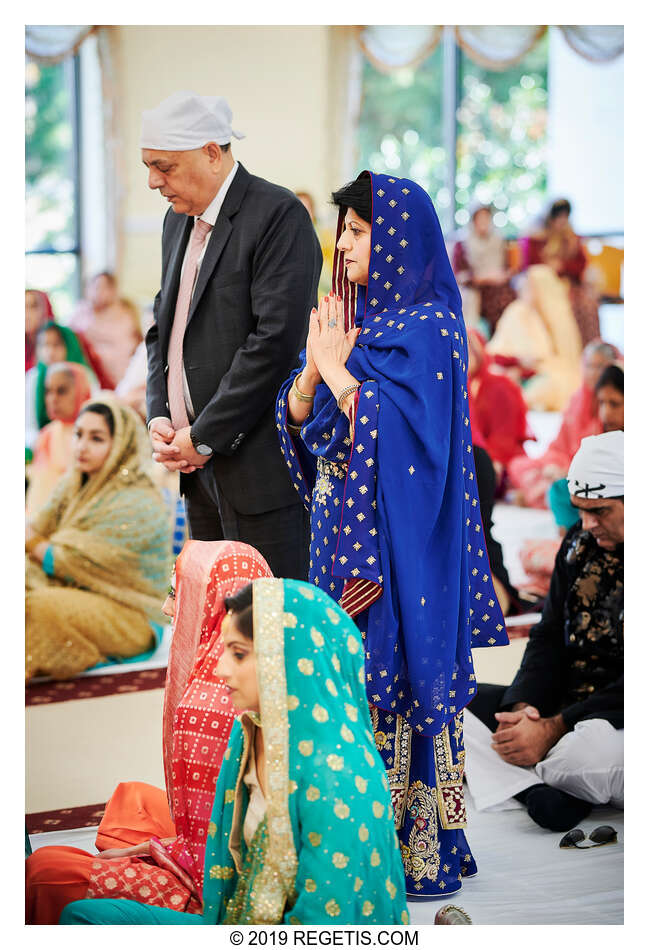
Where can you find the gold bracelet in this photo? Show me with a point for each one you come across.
(33, 543)
(294, 430)
(298, 395)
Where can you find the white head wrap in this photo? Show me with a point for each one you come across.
(597, 469)
(186, 121)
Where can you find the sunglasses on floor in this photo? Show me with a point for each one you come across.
(604, 834)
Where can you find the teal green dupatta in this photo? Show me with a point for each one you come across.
(326, 851)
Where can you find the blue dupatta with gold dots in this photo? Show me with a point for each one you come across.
(398, 502)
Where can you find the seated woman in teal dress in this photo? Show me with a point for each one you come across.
(302, 828)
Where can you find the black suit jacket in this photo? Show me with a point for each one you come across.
(247, 323)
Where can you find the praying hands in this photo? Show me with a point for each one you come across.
(174, 449)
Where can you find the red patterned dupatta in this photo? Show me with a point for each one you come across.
(198, 714)
(197, 720)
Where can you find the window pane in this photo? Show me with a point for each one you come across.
(50, 156)
(56, 274)
(501, 139)
(400, 125)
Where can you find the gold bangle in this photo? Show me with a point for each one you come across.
(299, 395)
(33, 543)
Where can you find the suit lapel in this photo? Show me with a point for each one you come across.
(220, 234)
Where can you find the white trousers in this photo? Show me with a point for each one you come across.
(587, 762)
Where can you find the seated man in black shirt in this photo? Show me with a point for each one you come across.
(562, 718)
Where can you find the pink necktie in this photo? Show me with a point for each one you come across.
(177, 406)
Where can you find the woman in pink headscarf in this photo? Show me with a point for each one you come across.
(533, 477)
(152, 845)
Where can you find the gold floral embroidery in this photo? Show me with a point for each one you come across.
(363, 833)
(341, 810)
(229, 795)
(368, 908)
(305, 746)
(390, 888)
(375, 858)
(369, 758)
(335, 762)
(332, 908)
(290, 620)
(312, 793)
(361, 783)
(378, 809)
(317, 637)
(310, 885)
(307, 592)
(358, 884)
(352, 645)
(421, 856)
(331, 686)
(352, 712)
(339, 859)
(314, 838)
(335, 662)
(319, 713)
(219, 873)
(292, 702)
(305, 666)
(346, 733)
(333, 616)
(211, 829)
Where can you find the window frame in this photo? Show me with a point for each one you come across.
(75, 248)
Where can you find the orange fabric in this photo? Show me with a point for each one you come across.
(135, 813)
(55, 876)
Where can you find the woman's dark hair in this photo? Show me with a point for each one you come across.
(560, 206)
(241, 606)
(611, 376)
(102, 410)
(356, 195)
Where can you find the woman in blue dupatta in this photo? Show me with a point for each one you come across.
(302, 829)
(374, 426)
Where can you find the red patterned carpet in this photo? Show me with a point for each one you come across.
(90, 687)
(86, 816)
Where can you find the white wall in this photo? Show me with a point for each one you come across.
(586, 136)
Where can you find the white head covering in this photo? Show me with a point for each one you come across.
(186, 121)
(597, 469)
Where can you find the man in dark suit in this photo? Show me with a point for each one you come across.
(240, 270)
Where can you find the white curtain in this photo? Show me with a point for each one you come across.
(600, 44)
(495, 47)
(394, 47)
(51, 44)
(498, 47)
